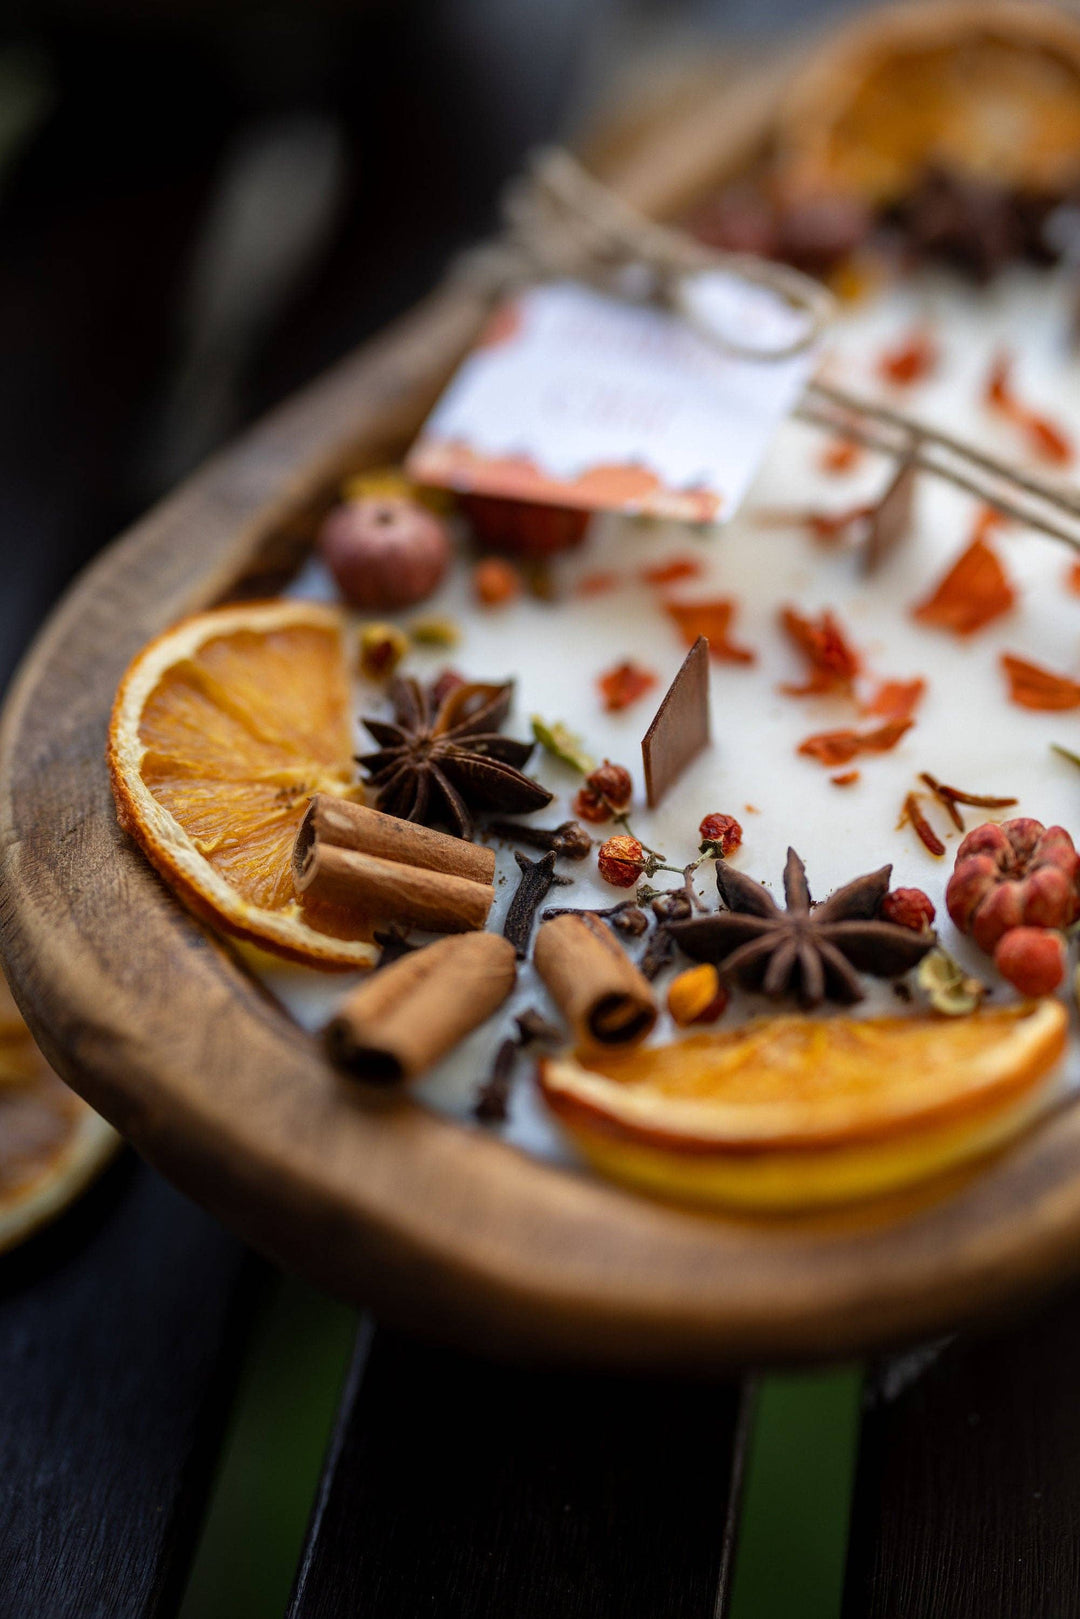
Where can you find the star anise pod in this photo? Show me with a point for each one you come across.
(811, 951)
(437, 762)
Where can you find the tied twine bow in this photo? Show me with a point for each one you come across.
(560, 222)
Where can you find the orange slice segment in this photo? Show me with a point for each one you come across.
(987, 91)
(222, 730)
(793, 1112)
(51, 1144)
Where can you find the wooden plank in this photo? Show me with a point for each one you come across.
(120, 1331)
(967, 1496)
(456, 1486)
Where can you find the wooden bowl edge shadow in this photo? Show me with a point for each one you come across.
(738, 1292)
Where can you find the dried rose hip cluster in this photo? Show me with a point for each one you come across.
(1015, 886)
(607, 792)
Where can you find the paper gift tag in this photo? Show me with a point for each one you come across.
(576, 398)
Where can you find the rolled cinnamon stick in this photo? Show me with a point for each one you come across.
(413, 1012)
(386, 888)
(388, 837)
(601, 994)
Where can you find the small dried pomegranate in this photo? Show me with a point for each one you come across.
(1032, 959)
(1016, 874)
(621, 861)
(385, 553)
(522, 528)
(908, 908)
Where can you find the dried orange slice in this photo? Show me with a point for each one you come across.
(51, 1144)
(988, 91)
(792, 1112)
(222, 730)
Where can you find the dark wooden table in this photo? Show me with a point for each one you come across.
(451, 1487)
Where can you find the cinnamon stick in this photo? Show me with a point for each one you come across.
(355, 826)
(601, 994)
(382, 889)
(399, 1022)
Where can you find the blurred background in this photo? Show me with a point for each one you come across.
(202, 204)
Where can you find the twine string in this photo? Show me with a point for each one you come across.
(562, 222)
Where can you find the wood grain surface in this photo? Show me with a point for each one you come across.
(121, 1331)
(159, 1026)
(454, 1486)
(967, 1493)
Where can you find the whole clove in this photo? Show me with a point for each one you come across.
(537, 879)
(393, 943)
(672, 906)
(628, 918)
(493, 1098)
(659, 953)
(534, 1029)
(570, 840)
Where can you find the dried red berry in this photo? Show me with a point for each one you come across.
(723, 832)
(590, 806)
(612, 782)
(621, 861)
(496, 582)
(1016, 874)
(908, 908)
(1032, 959)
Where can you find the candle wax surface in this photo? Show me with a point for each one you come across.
(966, 733)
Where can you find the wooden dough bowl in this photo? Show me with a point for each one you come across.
(159, 1026)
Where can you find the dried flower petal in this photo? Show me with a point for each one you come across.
(558, 740)
(974, 591)
(597, 583)
(912, 813)
(1046, 439)
(895, 699)
(948, 988)
(846, 778)
(834, 663)
(1033, 687)
(712, 619)
(840, 456)
(624, 684)
(832, 748)
(672, 571)
(911, 361)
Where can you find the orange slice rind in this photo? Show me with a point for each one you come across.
(222, 730)
(52, 1144)
(795, 1112)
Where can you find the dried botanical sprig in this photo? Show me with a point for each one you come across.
(558, 740)
(949, 989)
(493, 1098)
(569, 840)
